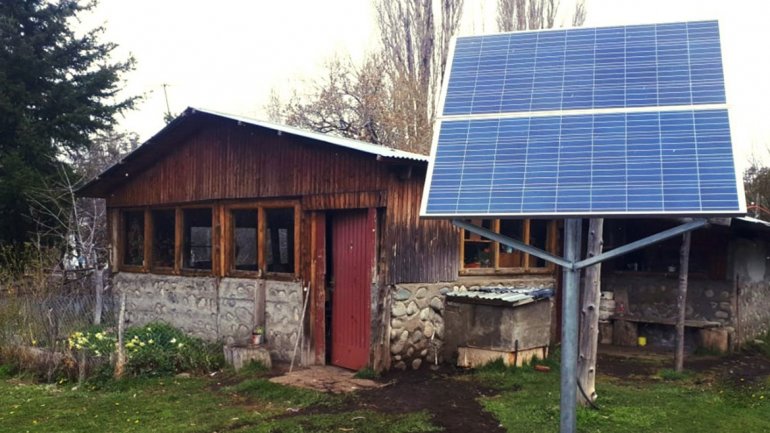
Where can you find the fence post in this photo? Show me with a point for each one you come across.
(98, 277)
(120, 363)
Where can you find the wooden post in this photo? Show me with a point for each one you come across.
(98, 277)
(589, 329)
(681, 301)
(120, 362)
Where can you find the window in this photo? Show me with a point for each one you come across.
(196, 244)
(133, 238)
(482, 255)
(279, 240)
(245, 238)
(163, 231)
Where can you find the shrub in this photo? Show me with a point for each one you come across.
(156, 349)
(159, 349)
(96, 342)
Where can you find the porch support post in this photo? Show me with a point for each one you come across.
(569, 329)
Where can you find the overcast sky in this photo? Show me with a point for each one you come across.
(228, 55)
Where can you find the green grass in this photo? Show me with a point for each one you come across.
(184, 405)
(530, 402)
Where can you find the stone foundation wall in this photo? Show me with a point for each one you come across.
(654, 296)
(215, 309)
(417, 328)
(190, 304)
(283, 310)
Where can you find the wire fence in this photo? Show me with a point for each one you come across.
(45, 314)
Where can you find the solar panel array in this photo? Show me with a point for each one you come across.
(589, 121)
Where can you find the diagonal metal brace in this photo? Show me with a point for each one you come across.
(513, 243)
(641, 243)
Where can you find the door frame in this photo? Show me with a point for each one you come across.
(318, 265)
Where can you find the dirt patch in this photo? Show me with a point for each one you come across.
(451, 400)
(326, 379)
(744, 368)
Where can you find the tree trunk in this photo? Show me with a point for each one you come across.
(98, 277)
(589, 329)
(681, 301)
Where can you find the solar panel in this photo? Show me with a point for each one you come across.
(590, 121)
(584, 68)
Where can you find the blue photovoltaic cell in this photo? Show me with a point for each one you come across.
(675, 162)
(637, 126)
(587, 68)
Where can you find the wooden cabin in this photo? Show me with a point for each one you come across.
(221, 224)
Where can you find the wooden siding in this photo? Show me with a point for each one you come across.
(231, 162)
(414, 249)
(225, 163)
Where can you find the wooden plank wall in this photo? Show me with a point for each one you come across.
(229, 162)
(416, 250)
(225, 162)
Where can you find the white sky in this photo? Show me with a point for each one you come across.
(228, 55)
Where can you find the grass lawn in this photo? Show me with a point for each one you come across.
(529, 402)
(184, 405)
(524, 401)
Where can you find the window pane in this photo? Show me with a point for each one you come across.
(245, 239)
(133, 238)
(509, 257)
(196, 250)
(279, 240)
(478, 251)
(538, 237)
(163, 223)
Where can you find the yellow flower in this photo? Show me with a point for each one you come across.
(173, 340)
(151, 341)
(180, 345)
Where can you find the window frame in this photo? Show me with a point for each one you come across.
(259, 206)
(150, 241)
(179, 244)
(121, 247)
(551, 247)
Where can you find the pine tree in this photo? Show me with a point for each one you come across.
(58, 89)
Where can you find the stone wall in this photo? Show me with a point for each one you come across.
(283, 310)
(215, 309)
(417, 328)
(654, 296)
(190, 304)
(751, 270)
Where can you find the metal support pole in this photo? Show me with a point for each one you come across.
(569, 327)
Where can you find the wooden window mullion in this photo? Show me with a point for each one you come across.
(178, 239)
(261, 239)
(296, 239)
(496, 245)
(525, 238)
(148, 224)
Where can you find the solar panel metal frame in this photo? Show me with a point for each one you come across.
(440, 118)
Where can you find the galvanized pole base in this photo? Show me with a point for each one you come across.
(569, 327)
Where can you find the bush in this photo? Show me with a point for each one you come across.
(156, 349)
(159, 349)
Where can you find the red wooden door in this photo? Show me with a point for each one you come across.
(353, 257)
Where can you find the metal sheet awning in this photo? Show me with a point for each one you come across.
(503, 296)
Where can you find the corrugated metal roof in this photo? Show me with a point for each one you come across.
(752, 220)
(362, 146)
(501, 295)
